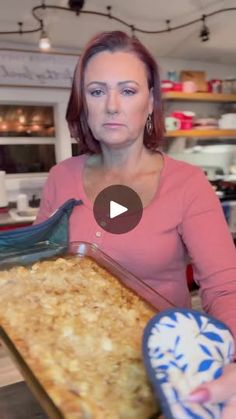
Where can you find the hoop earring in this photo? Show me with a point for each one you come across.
(149, 125)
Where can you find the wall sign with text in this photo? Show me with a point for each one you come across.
(26, 68)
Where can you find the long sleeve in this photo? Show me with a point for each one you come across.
(211, 248)
(62, 184)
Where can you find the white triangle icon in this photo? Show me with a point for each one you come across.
(116, 209)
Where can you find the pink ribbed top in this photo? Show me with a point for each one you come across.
(184, 218)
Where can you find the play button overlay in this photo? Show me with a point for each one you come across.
(117, 209)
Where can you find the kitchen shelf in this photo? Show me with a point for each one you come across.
(200, 96)
(215, 133)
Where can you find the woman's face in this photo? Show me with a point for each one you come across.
(117, 97)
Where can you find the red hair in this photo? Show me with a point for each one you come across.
(76, 114)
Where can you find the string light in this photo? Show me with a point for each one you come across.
(44, 41)
(205, 32)
(75, 6)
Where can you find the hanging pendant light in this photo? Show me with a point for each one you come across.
(44, 41)
(204, 32)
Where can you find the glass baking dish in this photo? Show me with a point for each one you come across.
(78, 249)
(127, 278)
(41, 250)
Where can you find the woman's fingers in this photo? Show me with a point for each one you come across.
(229, 411)
(216, 391)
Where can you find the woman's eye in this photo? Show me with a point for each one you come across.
(96, 92)
(128, 92)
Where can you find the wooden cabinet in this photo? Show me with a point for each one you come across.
(200, 96)
(203, 133)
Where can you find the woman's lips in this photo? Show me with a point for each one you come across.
(113, 125)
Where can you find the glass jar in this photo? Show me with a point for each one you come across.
(228, 85)
(234, 85)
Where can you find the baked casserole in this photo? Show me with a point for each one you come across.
(79, 329)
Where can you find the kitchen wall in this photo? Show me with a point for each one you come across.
(58, 97)
(213, 70)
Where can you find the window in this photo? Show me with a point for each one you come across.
(26, 121)
(27, 158)
(27, 138)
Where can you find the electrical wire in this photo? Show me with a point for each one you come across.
(109, 15)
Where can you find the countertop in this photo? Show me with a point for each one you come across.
(11, 217)
(6, 219)
(9, 374)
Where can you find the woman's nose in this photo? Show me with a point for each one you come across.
(113, 103)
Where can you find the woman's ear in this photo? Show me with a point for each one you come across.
(151, 100)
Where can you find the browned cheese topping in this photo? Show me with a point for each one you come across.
(80, 331)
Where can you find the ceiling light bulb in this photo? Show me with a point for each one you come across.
(44, 41)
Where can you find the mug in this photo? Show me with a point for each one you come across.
(172, 123)
(185, 118)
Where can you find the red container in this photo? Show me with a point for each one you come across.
(167, 85)
(178, 87)
(185, 117)
(186, 124)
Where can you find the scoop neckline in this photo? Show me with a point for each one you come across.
(89, 204)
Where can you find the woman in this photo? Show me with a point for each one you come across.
(115, 110)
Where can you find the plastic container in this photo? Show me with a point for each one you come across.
(22, 202)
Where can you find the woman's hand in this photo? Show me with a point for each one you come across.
(221, 390)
